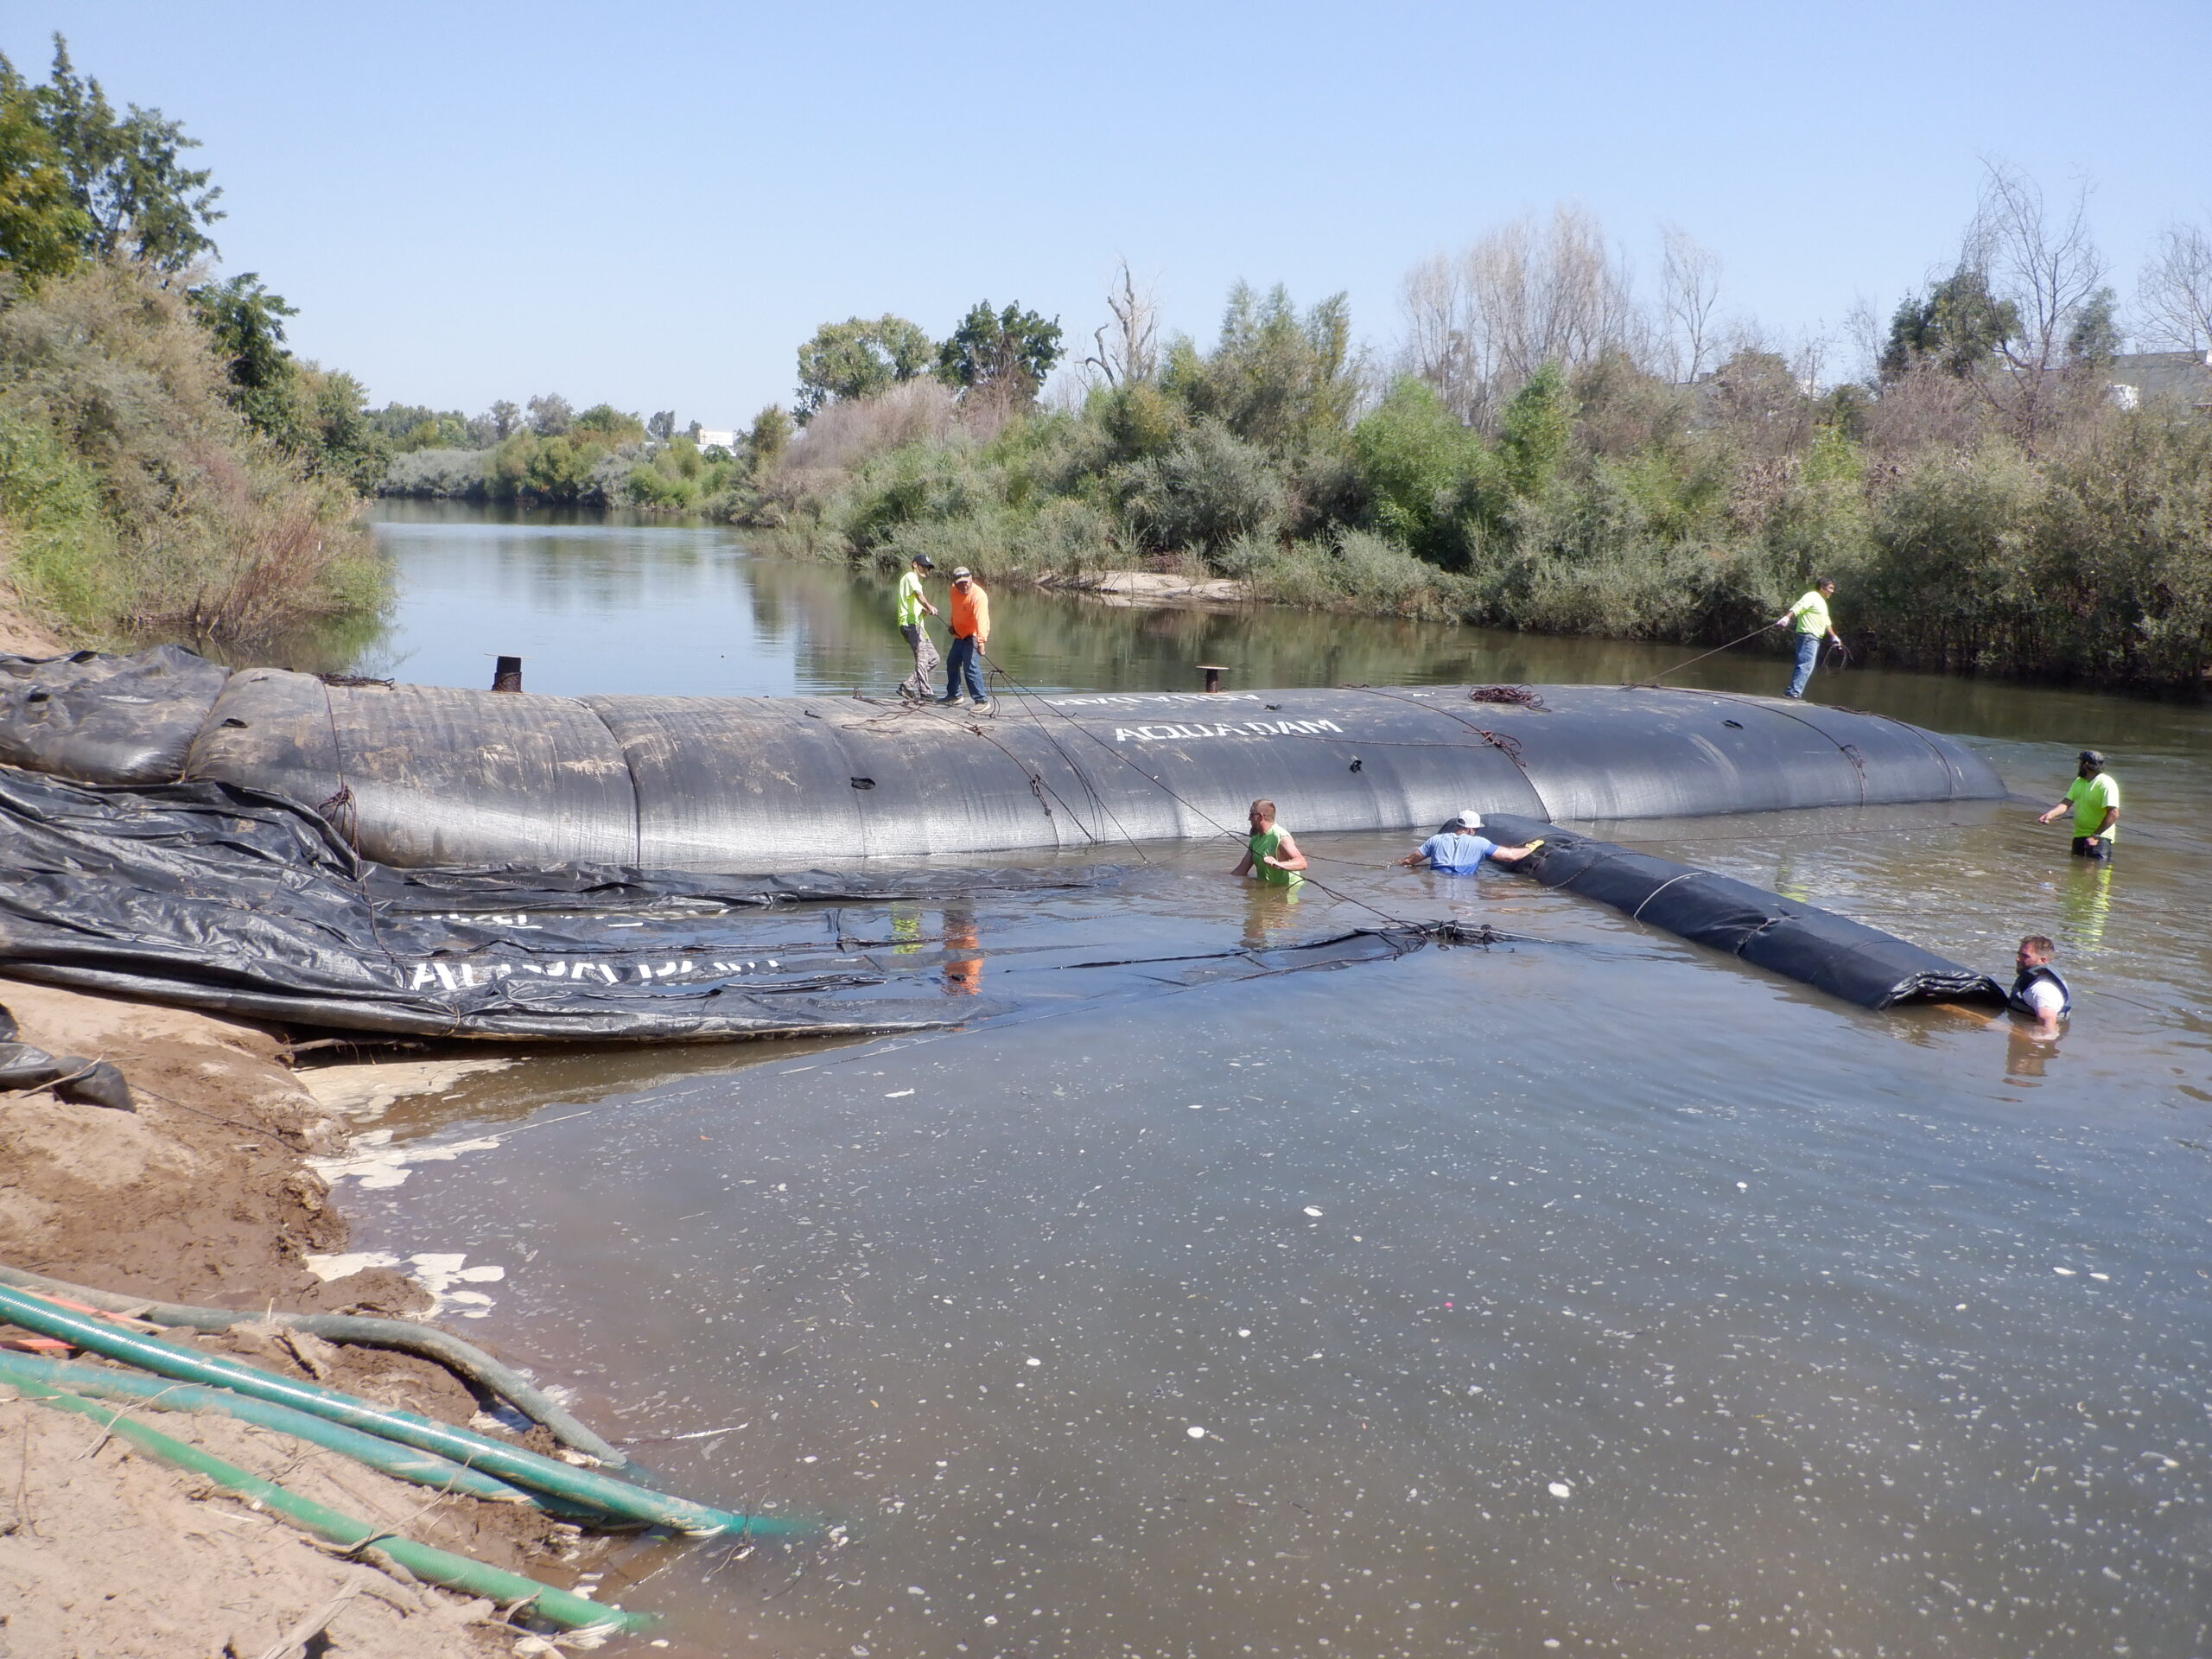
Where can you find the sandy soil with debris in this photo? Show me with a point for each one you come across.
(202, 1196)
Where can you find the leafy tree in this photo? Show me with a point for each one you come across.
(766, 439)
(1959, 326)
(506, 419)
(1414, 455)
(2094, 338)
(662, 427)
(1536, 434)
(247, 322)
(1139, 419)
(1274, 378)
(1208, 489)
(123, 172)
(41, 228)
(856, 358)
(1000, 356)
(604, 423)
(550, 416)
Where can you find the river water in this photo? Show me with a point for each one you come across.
(1593, 1294)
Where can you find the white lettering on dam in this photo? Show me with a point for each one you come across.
(1240, 728)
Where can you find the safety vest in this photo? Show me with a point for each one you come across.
(2017, 998)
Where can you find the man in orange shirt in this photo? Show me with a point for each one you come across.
(971, 637)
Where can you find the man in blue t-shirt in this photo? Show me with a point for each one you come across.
(1459, 848)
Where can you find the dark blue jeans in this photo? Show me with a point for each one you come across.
(1809, 653)
(962, 663)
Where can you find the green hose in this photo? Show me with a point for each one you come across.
(28, 1371)
(584, 1487)
(435, 1565)
(463, 1358)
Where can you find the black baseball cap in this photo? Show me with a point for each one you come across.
(2091, 757)
(924, 561)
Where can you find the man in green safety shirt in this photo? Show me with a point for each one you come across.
(1809, 622)
(1271, 855)
(913, 602)
(2094, 797)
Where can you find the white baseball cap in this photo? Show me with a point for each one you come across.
(1469, 819)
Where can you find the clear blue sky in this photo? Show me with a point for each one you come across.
(654, 206)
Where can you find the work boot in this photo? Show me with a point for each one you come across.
(950, 696)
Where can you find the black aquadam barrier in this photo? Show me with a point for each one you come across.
(410, 859)
(430, 776)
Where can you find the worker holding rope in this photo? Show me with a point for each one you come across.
(1808, 621)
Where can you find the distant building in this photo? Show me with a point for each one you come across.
(712, 438)
(2138, 377)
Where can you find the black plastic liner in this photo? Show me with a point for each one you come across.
(215, 897)
(427, 776)
(1816, 947)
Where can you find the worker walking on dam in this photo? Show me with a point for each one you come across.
(2094, 797)
(1270, 854)
(1810, 624)
(971, 637)
(912, 603)
(1460, 849)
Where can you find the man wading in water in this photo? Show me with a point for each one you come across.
(1271, 855)
(2095, 800)
(915, 687)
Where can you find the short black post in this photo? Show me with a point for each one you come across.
(1212, 671)
(506, 674)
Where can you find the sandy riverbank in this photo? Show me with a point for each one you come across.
(203, 1195)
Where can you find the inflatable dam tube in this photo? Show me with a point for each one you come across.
(1816, 947)
(422, 776)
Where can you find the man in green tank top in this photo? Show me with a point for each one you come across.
(1271, 855)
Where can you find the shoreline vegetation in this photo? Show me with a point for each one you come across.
(167, 468)
(1543, 452)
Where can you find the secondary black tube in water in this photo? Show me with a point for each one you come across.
(1816, 947)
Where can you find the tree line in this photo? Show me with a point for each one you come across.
(1547, 448)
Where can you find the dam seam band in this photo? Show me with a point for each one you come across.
(425, 1561)
(464, 1358)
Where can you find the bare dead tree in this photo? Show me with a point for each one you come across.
(1520, 296)
(2044, 262)
(2174, 297)
(1690, 287)
(1437, 346)
(1128, 347)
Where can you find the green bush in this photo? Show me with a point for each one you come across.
(138, 498)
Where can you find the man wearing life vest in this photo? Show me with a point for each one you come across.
(2038, 991)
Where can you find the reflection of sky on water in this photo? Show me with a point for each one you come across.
(1653, 1306)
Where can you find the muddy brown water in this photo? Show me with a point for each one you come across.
(1593, 1294)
